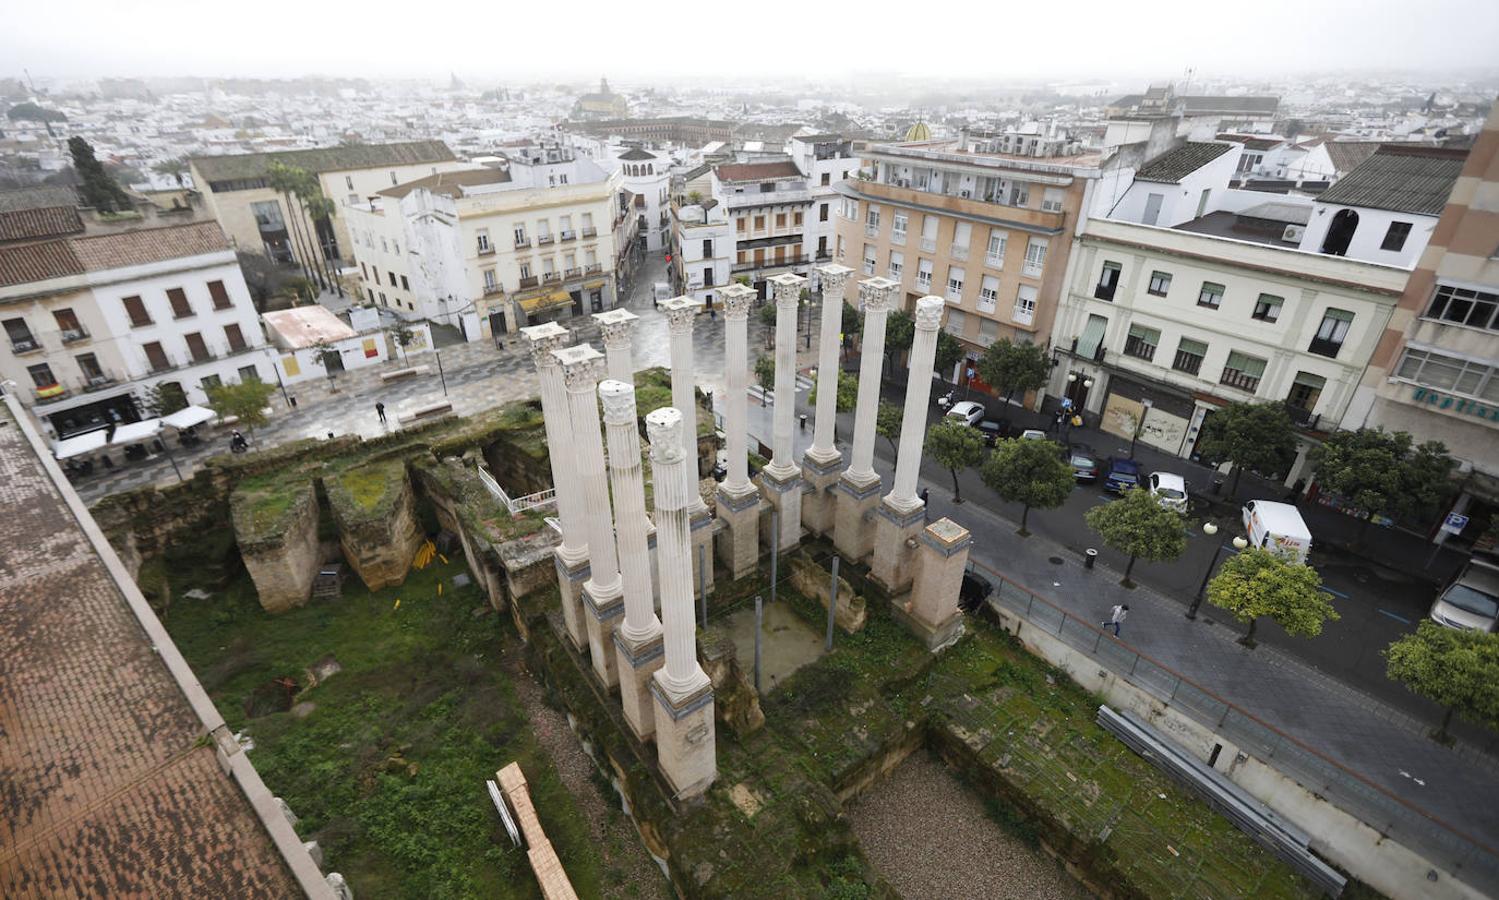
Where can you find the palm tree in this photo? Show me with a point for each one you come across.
(318, 208)
(283, 179)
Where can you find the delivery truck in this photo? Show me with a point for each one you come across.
(1277, 527)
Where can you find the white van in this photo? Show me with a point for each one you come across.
(661, 291)
(1278, 527)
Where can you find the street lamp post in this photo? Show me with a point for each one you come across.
(1209, 529)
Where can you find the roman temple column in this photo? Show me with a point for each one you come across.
(738, 500)
(603, 592)
(822, 461)
(571, 557)
(858, 489)
(781, 481)
(683, 693)
(681, 314)
(902, 515)
(618, 327)
(637, 642)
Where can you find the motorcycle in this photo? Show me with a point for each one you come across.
(946, 400)
(237, 443)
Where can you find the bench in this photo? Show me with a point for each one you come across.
(429, 411)
(405, 373)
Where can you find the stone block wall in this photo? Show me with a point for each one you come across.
(280, 550)
(811, 580)
(379, 535)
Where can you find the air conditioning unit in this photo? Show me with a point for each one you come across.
(1293, 233)
(963, 194)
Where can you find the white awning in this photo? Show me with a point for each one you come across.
(79, 444)
(189, 416)
(136, 432)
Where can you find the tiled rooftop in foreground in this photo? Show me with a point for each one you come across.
(108, 787)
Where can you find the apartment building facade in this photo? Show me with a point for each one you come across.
(236, 189)
(704, 246)
(1160, 326)
(989, 231)
(767, 202)
(95, 317)
(1435, 372)
(493, 248)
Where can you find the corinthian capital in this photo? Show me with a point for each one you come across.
(929, 313)
(834, 277)
(543, 340)
(736, 300)
(619, 402)
(680, 312)
(617, 325)
(875, 294)
(788, 288)
(663, 428)
(582, 366)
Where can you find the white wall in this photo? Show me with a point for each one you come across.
(1370, 233)
(302, 365)
(1179, 202)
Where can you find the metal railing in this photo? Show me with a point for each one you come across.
(518, 505)
(1470, 858)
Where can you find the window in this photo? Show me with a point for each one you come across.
(872, 221)
(1211, 295)
(364, 271)
(1160, 283)
(1331, 333)
(898, 227)
(1464, 306)
(393, 178)
(349, 182)
(1242, 371)
(988, 331)
(520, 236)
(156, 358)
(93, 373)
(707, 248)
(248, 374)
(181, 309)
(1051, 199)
(822, 211)
(211, 381)
(68, 326)
(929, 233)
(924, 274)
(955, 277)
(988, 293)
(897, 264)
(136, 310)
(1450, 373)
(219, 294)
(1189, 354)
(234, 337)
(741, 225)
(1020, 194)
(383, 301)
(21, 338)
(197, 347)
(780, 220)
(588, 223)
(481, 237)
(384, 246)
(268, 215)
(1108, 281)
(41, 376)
(994, 257)
(961, 234)
(1267, 308)
(869, 259)
(1035, 257)
(759, 223)
(1025, 305)
(957, 320)
(1142, 342)
(796, 218)
(392, 278)
(491, 284)
(1306, 389)
(1394, 239)
(1090, 342)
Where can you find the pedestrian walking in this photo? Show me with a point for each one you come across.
(1116, 618)
(380, 411)
(924, 493)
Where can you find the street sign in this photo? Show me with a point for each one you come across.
(1454, 523)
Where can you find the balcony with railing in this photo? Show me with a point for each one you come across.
(924, 280)
(1104, 291)
(23, 345)
(572, 273)
(791, 196)
(551, 277)
(929, 245)
(1237, 378)
(958, 251)
(543, 239)
(589, 231)
(990, 203)
(521, 243)
(592, 269)
(528, 281)
(872, 230)
(493, 289)
(1324, 347)
(766, 264)
(73, 335)
(1303, 418)
(898, 238)
(567, 236)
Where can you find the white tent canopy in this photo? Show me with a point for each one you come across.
(79, 444)
(136, 432)
(189, 416)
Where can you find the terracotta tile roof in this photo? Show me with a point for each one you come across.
(31, 224)
(37, 198)
(74, 256)
(245, 166)
(1346, 155)
(765, 171)
(1174, 165)
(1413, 180)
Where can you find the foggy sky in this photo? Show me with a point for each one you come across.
(719, 41)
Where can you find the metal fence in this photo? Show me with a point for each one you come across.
(516, 505)
(1469, 858)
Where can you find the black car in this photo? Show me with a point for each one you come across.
(975, 590)
(993, 430)
(1084, 464)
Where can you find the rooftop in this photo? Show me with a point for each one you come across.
(450, 184)
(1174, 165)
(42, 222)
(306, 326)
(1414, 180)
(324, 159)
(37, 198)
(1204, 105)
(1242, 227)
(635, 153)
(109, 787)
(1253, 141)
(763, 171)
(44, 260)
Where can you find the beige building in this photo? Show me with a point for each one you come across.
(990, 231)
(255, 218)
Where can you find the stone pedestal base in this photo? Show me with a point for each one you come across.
(602, 616)
(931, 611)
(739, 544)
(819, 474)
(570, 579)
(638, 661)
(702, 552)
(937, 636)
(854, 501)
(784, 491)
(685, 745)
(894, 529)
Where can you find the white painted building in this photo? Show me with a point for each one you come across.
(646, 175)
(705, 247)
(301, 336)
(826, 160)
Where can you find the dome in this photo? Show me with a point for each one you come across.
(919, 132)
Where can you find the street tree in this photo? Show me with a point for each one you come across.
(402, 334)
(1137, 524)
(954, 445)
(852, 323)
(887, 421)
(1454, 668)
(245, 401)
(96, 188)
(1031, 473)
(1257, 582)
(848, 395)
(176, 167)
(765, 373)
(1011, 367)
(286, 180)
(1384, 473)
(329, 358)
(164, 398)
(1251, 436)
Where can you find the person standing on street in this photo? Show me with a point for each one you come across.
(1116, 618)
(925, 507)
(380, 411)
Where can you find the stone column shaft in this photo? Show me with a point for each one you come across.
(682, 675)
(736, 384)
(618, 329)
(680, 315)
(831, 325)
(631, 526)
(875, 294)
(918, 394)
(787, 296)
(544, 341)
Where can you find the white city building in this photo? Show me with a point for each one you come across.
(705, 249)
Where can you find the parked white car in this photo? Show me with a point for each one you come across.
(970, 412)
(1170, 490)
(1033, 434)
